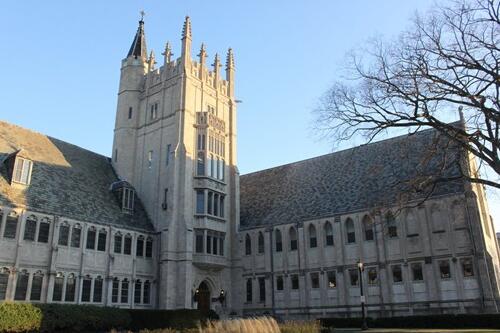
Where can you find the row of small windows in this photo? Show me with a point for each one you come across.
(123, 245)
(65, 288)
(34, 229)
(209, 242)
(213, 205)
(215, 167)
(328, 239)
(417, 275)
(216, 144)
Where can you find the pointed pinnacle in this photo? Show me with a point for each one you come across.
(230, 59)
(186, 29)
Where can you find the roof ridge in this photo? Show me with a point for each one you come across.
(370, 144)
(50, 137)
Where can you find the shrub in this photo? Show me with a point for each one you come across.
(160, 319)
(19, 317)
(300, 327)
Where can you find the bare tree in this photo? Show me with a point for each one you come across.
(448, 60)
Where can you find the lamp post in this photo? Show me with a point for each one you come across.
(364, 326)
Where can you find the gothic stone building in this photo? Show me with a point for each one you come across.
(166, 223)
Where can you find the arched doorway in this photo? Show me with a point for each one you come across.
(203, 297)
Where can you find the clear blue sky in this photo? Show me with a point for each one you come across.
(60, 63)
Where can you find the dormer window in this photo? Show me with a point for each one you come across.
(22, 171)
(128, 199)
(125, 195)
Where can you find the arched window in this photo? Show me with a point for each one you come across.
(313, 241)
(58, 287)
(248, 245)
(36, 286)
(30, 228)
(44, 231)
(22, 285)
(149, 247)
(76, 235)
(293, 239)
(146, 290)
(368, 228)
(63, 234)
(86, 288)
(97, 290)
(127, 244)
(118, 243)
(249, 291)
(137, 291)
(328, 234)
(4, 281)
(101, 240)
(139, 251)
(392, 228)
(349, 229)
(124, 293)
(261, 243)
(411, 225)
(10, 230)
(91, 235)
(70, 288)
(279, 241)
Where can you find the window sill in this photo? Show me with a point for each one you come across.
(211, 178)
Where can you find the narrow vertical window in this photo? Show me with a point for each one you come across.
(328, 234)
(249, 291)
(58, 287)
(209, 244)
(21, 286)
(130, 113)
(293, 239)
(295, 281)
(200, 168)
(149, 247)
(262, 289)
(200, 202)
(36, 286)
(261, 242)
(116, 155)
(221, 208)
(97, 290)
(70, 288)
(124, 294)
(30, 228)
(392, 229)
(372, 276)
(43, 231)
(10, 227)
(467, 267)
(210, 203)
(199, 241)
(63, 235)
(216, 204)
(368, 228)
(4, 281)
(91, 234)
(248, 245)
(332, 279)
(127, 245)
(76, 235)
(146, 292)
(86, 288)
(315, 280)
(150, 159)
(279, 242)
(313, 241)
(101, 241)
(137, 291)
(279, 283)
(417, 273)
(354, 277)
(140, 247)
(118, 243)
(350, 233)
(115, 290)
(444, 269)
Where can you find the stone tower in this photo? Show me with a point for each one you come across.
(175, 143)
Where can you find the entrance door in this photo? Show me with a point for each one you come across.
(203, 298)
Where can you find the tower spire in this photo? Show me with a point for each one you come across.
(167, 53)
(186, 29)
(186, 42)
(230, 71)
(138, 47)
(202, 54)
(151, 60)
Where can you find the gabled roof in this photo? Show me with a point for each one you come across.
(356, 179)
(66, 180)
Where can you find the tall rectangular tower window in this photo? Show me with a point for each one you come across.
(150, 159)
(130, 113)
(200, 202)
(167, 159)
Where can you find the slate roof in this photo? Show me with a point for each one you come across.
(356, 179)
(66, 180)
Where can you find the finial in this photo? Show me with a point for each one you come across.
(151, 60)
(216, 63)
(230, 59)
(202, 54)
(167, 53)
(143, 13)
(186, 29)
